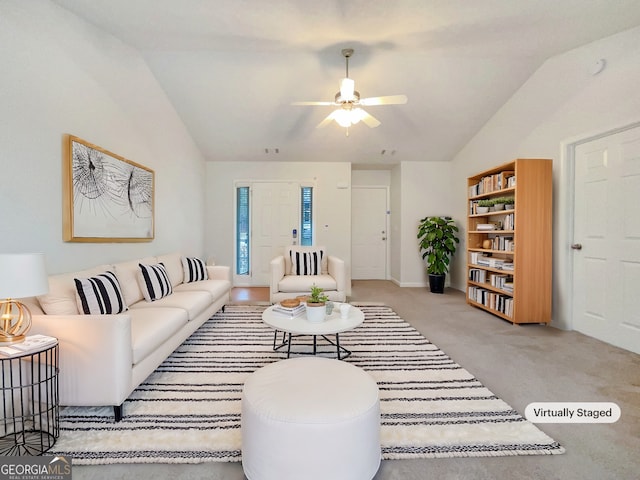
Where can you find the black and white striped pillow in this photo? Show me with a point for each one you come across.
(154, 282)
(100, 295)
(194, 269)
(306, 263)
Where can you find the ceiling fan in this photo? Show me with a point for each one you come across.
(349, 103)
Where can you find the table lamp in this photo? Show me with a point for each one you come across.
(21, 275)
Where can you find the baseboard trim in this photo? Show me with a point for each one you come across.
(409, 284)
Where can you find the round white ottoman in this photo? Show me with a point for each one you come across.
(310, 418)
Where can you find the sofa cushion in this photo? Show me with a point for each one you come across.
(303, 283)
(306, 263)
(195, 269)
(216, 288)
(173, 263)
(100, 295)
(127, 273)
(151, 327)
(61, 299)
(193, 302)
(154, 282)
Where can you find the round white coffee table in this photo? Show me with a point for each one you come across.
(334, 324)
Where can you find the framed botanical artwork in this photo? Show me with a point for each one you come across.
(107, 198)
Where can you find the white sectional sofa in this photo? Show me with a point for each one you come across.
(103, 358)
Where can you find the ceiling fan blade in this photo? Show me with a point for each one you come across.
(388, 100)
(327, 120)
(314, 103)
(370, 120)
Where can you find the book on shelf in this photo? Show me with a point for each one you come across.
(491, 300)
(503, 243)
(478, 275)
(509, 221)
(31, 344)
(488, 226)
(477, 258)
(501, 281)
(492, 183)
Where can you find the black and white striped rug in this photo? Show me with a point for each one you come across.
(188, 410)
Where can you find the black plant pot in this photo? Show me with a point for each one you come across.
(436, 283)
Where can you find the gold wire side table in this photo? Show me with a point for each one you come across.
(29, 412)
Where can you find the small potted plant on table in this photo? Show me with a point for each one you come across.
(316, 305)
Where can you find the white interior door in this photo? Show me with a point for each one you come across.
(276, 212)
(606, 273)
(369, 232)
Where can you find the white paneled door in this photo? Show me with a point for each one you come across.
(369, 233)
(606, 239)
(276, 212)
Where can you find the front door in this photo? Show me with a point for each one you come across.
(369, 233)
(606, 239)
(276, 212)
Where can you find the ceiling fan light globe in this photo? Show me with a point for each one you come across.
(343, 118)
(357, 114)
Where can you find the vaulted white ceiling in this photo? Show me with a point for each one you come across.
(232, 68)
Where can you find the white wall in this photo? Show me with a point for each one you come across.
(419, 189)
(332, 202)
(561, 103)
(62, 76)
(371, 178)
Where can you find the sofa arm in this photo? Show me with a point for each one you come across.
(336, 269)
(95, 356)
(219, 272)
(276, 269)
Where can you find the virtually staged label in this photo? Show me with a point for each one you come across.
(572, 412)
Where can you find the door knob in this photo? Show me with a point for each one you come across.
(576, 246)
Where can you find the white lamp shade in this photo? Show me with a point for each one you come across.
(22, 275)
(347, 87)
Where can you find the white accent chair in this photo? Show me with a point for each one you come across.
(285, 283)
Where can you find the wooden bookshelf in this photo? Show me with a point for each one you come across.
(509, 252)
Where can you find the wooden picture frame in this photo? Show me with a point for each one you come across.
(107, 198)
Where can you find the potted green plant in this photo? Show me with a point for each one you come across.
(498, 203)
(437, 239)
(484, 205)
(316, 304)
(509, 203)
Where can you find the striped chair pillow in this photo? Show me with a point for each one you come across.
(154, 281)
(194, 269)
(306, 263)
(100, 295)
